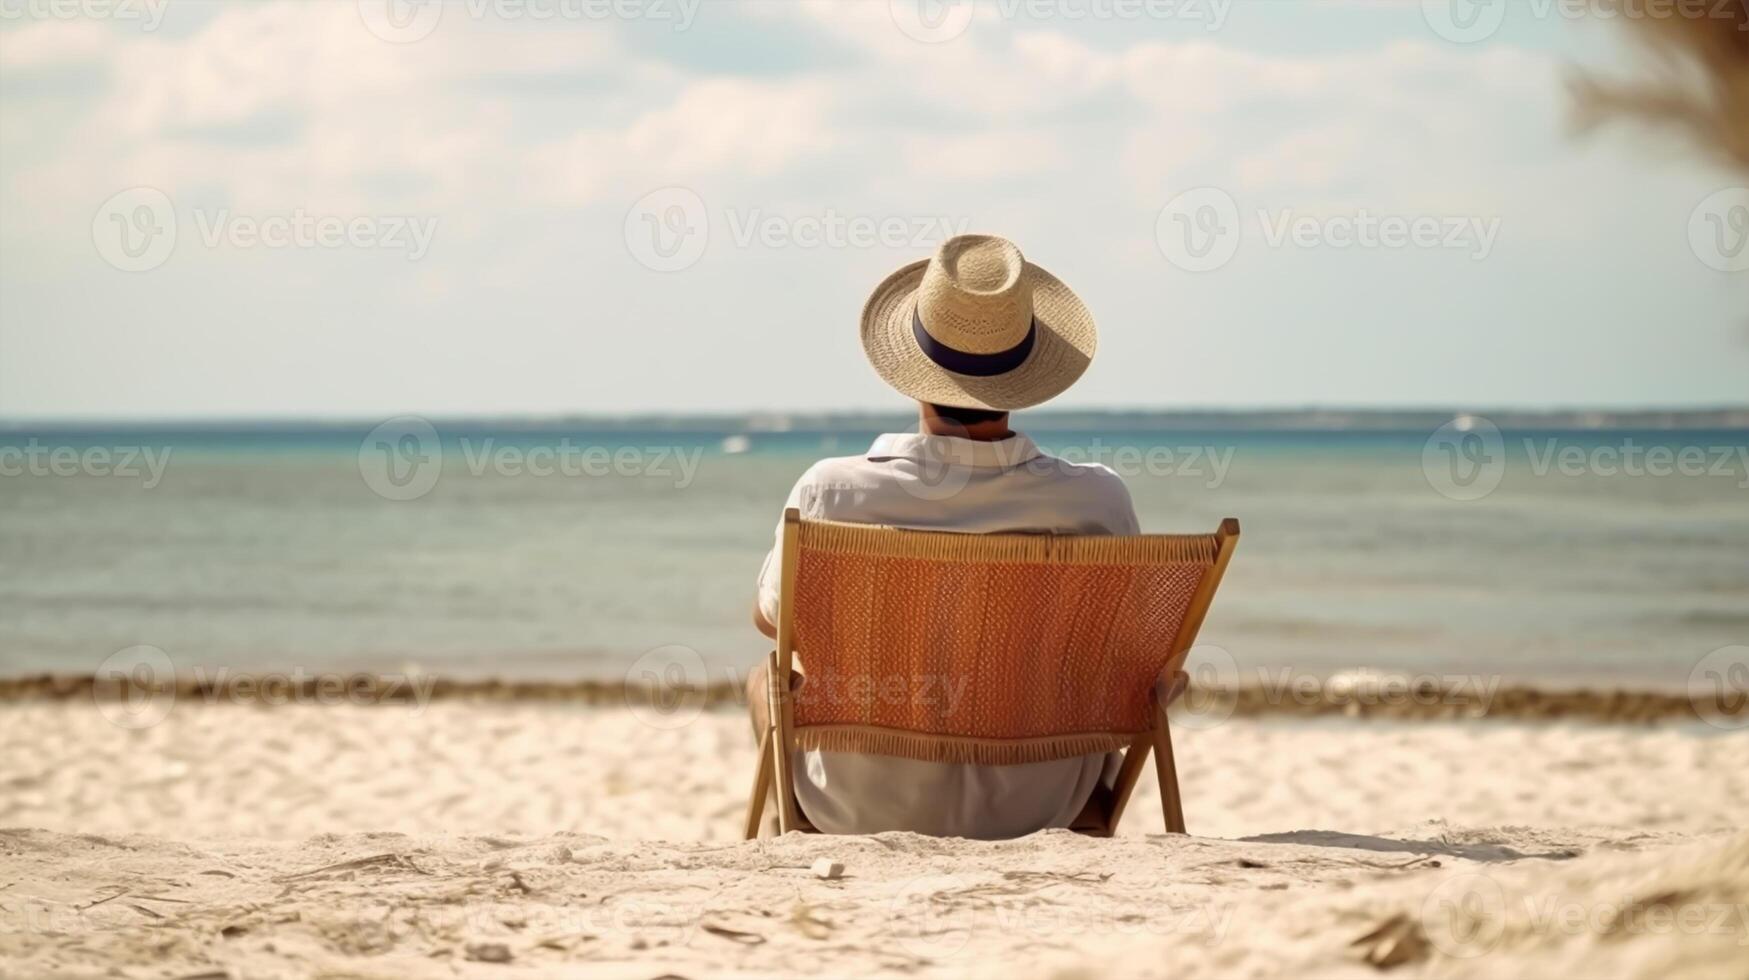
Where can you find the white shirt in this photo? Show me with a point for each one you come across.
(945, 483)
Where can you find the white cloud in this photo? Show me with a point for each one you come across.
(720, 124)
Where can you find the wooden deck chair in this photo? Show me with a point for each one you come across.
(1059, 646)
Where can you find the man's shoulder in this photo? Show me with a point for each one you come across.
(1096, 477)
(838, 471)
(1092, 489)
(832, 478)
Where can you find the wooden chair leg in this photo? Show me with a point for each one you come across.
(761, 787)
(777, 691)
(1166, 767)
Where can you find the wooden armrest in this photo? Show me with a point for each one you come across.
(795, 676)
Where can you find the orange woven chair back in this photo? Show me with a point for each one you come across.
(989, 648)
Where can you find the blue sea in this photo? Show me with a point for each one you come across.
(553, 552)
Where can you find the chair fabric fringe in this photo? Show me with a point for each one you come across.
(870, 740)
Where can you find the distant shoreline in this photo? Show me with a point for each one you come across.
(1411, 701)
(1061, 420)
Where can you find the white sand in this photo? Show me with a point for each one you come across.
(195, 846)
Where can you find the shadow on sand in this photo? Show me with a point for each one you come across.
(1475, 851)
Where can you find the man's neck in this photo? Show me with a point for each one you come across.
(934, 425)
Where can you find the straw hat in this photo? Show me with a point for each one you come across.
(977, 326)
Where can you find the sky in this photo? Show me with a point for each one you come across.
(362, 208)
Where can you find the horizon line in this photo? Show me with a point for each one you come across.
(790, 416)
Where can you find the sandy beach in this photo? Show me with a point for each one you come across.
(469, 838)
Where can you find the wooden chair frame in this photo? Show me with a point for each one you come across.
(1104, 809)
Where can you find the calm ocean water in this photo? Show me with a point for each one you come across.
(558, 554)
